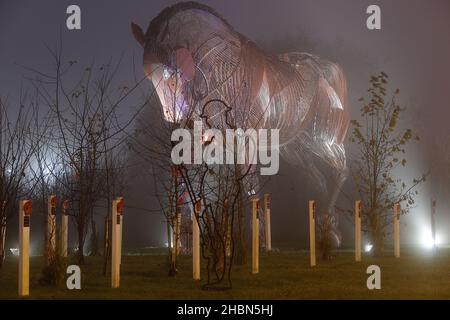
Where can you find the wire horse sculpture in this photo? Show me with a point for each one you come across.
(192, 55)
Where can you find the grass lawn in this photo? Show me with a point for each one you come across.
(283, 275)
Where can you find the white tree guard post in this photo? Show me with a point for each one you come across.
(116, 250)
(433, 221)
(312, 233)
(397, 210)
(255, 235)
(25, 209)
(268, 236)
(196, 241)
(64, 228)
(51, 227)
(358, 210)
(120, 210)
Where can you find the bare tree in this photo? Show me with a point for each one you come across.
(381, 146)
(222, 190)
(18, 138)
(85, 130)
(112, 177)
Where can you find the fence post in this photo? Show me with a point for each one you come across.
(312, 233)
(64, 228)
(25, 210)
(255, 235)
(116, 250)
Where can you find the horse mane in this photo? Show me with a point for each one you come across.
(155, 25)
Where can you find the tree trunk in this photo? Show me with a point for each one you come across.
(172, 258)
(2, 241)
(94, 238)
(80, 254)
(375, 232)
(378, 246)
(106, 246)
(221, 258)
(377, 243)
(241, 252)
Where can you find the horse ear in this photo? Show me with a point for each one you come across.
(185, 63)
(138, 34)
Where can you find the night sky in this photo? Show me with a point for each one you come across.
(413, 48)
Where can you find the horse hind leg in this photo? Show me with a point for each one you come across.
(336, 187)
(341, 177)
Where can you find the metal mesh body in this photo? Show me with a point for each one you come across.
(203, 69)
(194, 56)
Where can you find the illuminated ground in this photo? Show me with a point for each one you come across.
(283, 275)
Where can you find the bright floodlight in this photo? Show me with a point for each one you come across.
(14, 251)
(368, 247)
(427, 240)
(429, 243)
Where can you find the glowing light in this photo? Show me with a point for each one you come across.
(368, 247)
(15, 251)
(166, 74)
(427, 241)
